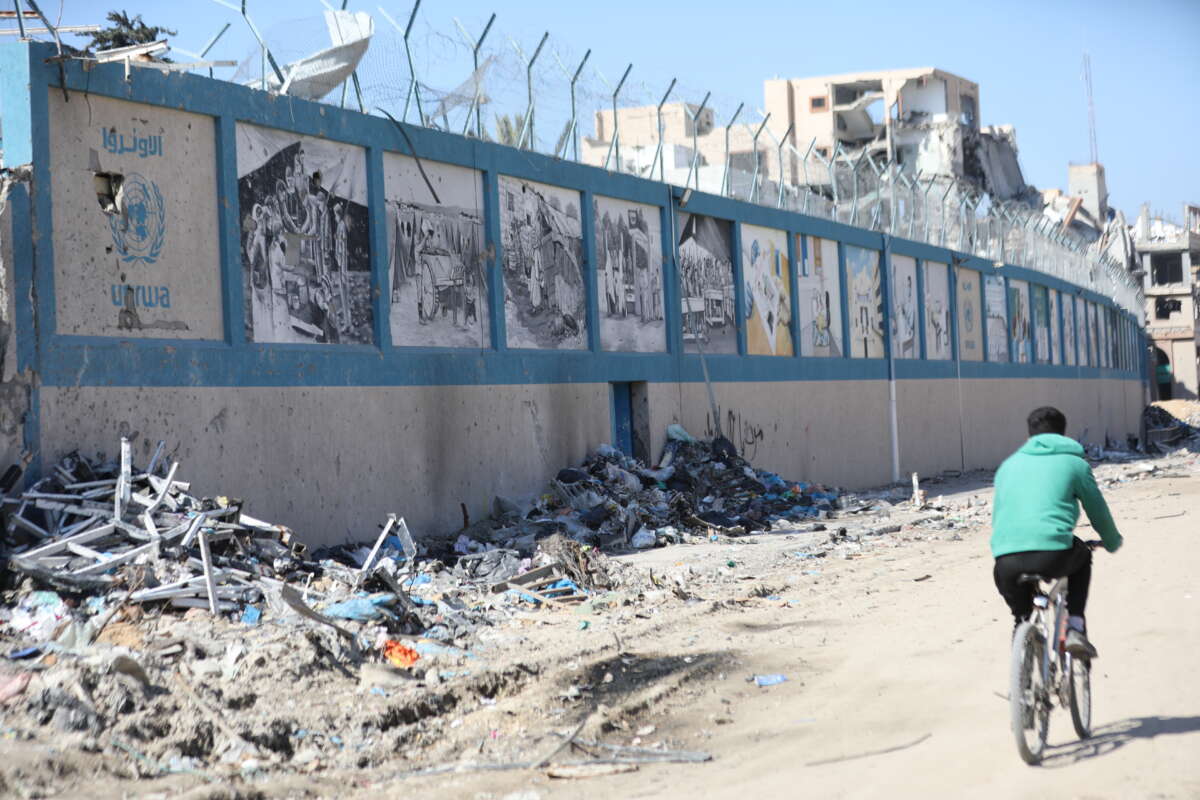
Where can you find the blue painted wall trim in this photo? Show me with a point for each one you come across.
(68, 360)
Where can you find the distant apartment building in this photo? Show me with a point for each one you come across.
(1170, 257)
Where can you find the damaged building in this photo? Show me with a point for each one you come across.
(1169, 253)
(927, 119)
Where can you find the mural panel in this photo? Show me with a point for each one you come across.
(544, 297)
(136, 243)
(305, 248)
(906, 343)
(1019, 324)
(767, 274)
(437, 258)
(1041, 324)
(1068, 329)
(1055, 351)
(819, 288)
(1094, 332)
(866, 302)
(1106, 324)
(937, 311)
(970, 339)
(706, 284)
(997, 319)
(629, 270)
(1084, 332)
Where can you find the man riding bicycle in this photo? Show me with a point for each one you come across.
(1039, 490)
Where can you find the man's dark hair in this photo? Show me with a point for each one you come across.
(1046, 419)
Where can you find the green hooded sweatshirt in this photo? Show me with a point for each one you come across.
(1038, 492)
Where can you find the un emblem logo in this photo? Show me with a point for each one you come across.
(138, 231)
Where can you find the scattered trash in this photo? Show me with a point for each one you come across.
(399, 654)
(770, 680)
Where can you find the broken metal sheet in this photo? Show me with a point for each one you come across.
(316, 75)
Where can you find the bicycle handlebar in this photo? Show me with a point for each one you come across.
(1094, 544)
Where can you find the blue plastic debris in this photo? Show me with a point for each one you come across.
(251, 615)
(362, 608)
(28, 652)
(770, 680)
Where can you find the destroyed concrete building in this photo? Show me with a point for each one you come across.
(816, 133)
(927, 119)
(1169, 252)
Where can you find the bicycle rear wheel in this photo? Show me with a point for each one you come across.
(1028, 698)
(1080, 693)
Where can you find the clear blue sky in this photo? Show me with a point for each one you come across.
(1025, 55)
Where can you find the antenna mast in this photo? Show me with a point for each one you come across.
(1087, 81)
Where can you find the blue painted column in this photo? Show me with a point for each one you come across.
(233, 311)
(844, 291)
(952, 299)
(587, 221)
(739, 286)
(491, 223)
(672, 315)
(796, 256)
(377, 234)
(983, 317)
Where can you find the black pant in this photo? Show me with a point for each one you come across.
(1075, 564)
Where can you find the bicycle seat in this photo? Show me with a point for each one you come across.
(1029, 577)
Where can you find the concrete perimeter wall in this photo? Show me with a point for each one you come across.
(335, 319)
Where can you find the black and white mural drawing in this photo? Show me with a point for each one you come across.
(1019, 322)
(437, 259)
(305, 251)
(630, 276)
(1055, 353)
(1068, 328)
(706, 284)
(937, 311)
(997, 318)
(904, 307)
(544, 296)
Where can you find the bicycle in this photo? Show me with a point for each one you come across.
(1040, 674)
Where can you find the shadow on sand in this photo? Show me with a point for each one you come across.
(1114, 736)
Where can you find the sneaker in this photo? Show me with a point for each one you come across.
(1077, 644)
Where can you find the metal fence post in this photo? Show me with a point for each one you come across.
(695, 147)
(726, 183)
(660, 158)
(615, 145)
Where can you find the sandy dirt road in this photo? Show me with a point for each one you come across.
(896, 686)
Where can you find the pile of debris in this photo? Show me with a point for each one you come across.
(614, 502)
(1166, 432)
(136, 616)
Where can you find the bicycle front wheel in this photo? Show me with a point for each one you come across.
(1080, 693)
(1028, 698)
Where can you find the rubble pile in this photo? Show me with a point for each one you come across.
(1165, 431)
(177, 633)
(613, 501)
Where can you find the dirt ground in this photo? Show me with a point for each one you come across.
(896, 685)
(891, 636)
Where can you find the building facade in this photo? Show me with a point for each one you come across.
(1170, 259)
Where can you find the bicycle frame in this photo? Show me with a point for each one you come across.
(1053, 629)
